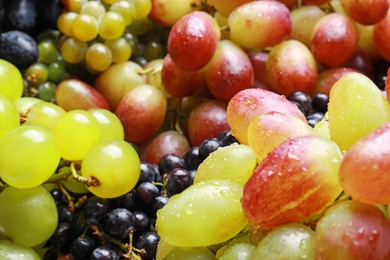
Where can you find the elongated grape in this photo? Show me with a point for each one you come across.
(11, 250)
(190, 254)
(115, 164)
(110, 125)
(206, 213)
(28, 216)
(9, 116)
(29, 155)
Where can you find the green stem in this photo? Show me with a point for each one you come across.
(92, 181)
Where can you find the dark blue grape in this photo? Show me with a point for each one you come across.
(192, 158)
(227, 138)
(104, 253)
(119, 223)
(95, 210)
(177, 181)
(82, 247)
(208, 146)
(169, 162)
(148, 241)
(141, 223)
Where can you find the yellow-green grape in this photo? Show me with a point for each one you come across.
(356, 107)
(73, 50)
(111, 26)
(110, 125)
(24, 103)
(322, 128)
(85, 27)
(109, 2)
(180, 253)
(207, 213)
(75, 5)
(44, 114)
(242, 251)
(94, 8)
(289, 241)
(29, 155)
(116, 165)
(235, 162)
(11, 81)
(64, 22)
(98, 57)
(74, 186)
(142, 7)
(11, 250)
(28, 216)
(75, 133)
(154, 76)
(9, 116)
(36, 74)
(120, 49)
(126, 9)
(46, 91)
(163, 249)
(47, 52)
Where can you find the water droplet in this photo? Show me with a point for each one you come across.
(303, 244)
(225, 193)
(189, 209)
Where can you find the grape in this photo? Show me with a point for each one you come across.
(328, 77)
(36, 74)
(44, 114)
(29, 156)
(22, 211)
(259, 61)
(64, 22)
(85, 27)
(111, 25)
(148, 241)
(11, 250)
(47, 52)
(82, 246)
(141, 111)
(357, 10)
(142, 8)
(302, 73)
(126, 9)
(229, 71)
(73, 50)
(196, 32)
(57, 71)
(72, 185)
(9, 116)
(24, 103)
(168, 12)
(235, 162)
(110, 125)
(356, 107)
(243, 251)
(94, 8)
(259, 24)
(207, 120)
(119, 223)
(98, 57)
(381, 35)
(289, 241)
(206, 213)
(120, 50)
(74, 94)
(297, 179)
(47, 91)
(190, 253)
(74, 5)
(11, 81)
(334, 39)
(115, 164)
(224, 7)
(75, 133)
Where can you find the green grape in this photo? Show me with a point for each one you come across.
(28, 216)
(111, 26)
(56, 71)
(289, 241)
(24, 103)
(116, 165)
(141, 26)
(200, 253)
(11, 81)
(109, 2)
(73, 50)
(142, 7)
(47, 52)
(9, 116)
(11, 250)
(47, 91)
(74, 186)
(64, 22)
(126, 9)
(75, 5)
(94, 8)
(242, 251)
(98, 57)
(85, 27)
(207, 213)
(29, 155)
(75, 133)
(110, 125)
(131, 39)
(153, 50)
(120, 49)
(45, 114)
(36, 74)
(235, 162)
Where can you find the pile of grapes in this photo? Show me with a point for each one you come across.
(194, 129)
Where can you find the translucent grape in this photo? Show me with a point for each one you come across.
(116, 165)
(47, 91)
(24, 103)
(126, 9)
(29, 155)
(9, 116)
(98, 57)
(73, 50)
(45, 114)
(110, 125)
(64, 22)
(75, 133)
(94, 8)
(74, 5)
(11, 81)
(120, 50)
(242, 251)
(235, 162)
(142, 7)
(190, 253)
(11, 250)
(111, 25)
(85, 27)
(56, 71)
(28, 216)
(47, 52)
(208, 212)
(36, 74)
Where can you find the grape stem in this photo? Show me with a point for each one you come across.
(62, 174)
(87, 181)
